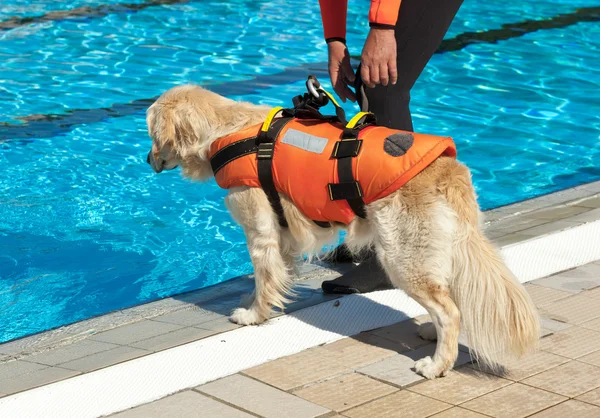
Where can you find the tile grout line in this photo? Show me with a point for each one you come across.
(584, 401)
(367, 402)
(459, 404)
(225, 402)
(554, 393)
(551, 406)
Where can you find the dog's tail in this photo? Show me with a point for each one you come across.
(497, 313)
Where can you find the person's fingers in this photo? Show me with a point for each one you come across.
(348, 72)
(365, 74)
(334, 76)
(348, 94)
(344, 92)
(393, 70)
(384, 76)
(374, 72)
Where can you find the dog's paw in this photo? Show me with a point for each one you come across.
(427, 368)
(243, 316)
(427, 331)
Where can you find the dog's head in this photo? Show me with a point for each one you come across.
(186, 120)
(182, 124)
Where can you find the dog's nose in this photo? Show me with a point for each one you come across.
(148, 158)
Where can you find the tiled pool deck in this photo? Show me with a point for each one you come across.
(366, 375)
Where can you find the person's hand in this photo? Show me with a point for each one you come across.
(378, 60)
(340, 71)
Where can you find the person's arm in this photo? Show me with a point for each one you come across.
(383, 14)
(333, 15)
(378, 59)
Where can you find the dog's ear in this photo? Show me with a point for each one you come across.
(160, 124)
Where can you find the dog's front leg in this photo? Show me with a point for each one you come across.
(272, 281)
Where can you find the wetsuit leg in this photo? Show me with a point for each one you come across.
(419, 31)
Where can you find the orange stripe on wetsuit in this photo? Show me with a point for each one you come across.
(382, 13)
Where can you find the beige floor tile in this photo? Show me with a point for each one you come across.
(460, 386)
(404, 334)
(592, 293)
(574, 310)
(356, 353)
(188, 404)
(595, 292)
(399, 369)
(345, 392)
(544, 295)
(514, 401)
(458, 412)
(592, 358)
(572, 343)
(592, 397)
(380, 342)
(299, 369)
(401, 404)
(570, 409)
(593, 324)
(260, 399)
(575, 280)
(570, 379)
(526, 366)
(550, 326)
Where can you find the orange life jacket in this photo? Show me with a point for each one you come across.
(307, 159)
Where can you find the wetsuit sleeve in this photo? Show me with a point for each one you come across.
(333, 15)
(384, 13)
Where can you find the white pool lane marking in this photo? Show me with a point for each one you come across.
(152, 377)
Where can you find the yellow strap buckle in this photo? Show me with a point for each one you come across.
(354, 121)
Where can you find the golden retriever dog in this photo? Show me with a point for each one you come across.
(427, 236)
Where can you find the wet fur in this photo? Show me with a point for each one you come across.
(427, 237)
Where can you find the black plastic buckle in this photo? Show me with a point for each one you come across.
(345, 191)
(349, 148)
(265, 150)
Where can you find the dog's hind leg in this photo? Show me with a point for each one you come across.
(414, 245)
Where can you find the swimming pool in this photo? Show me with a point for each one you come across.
(87, 228)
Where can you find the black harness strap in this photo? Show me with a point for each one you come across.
(266, 146)
(232, 152)
(348, 188)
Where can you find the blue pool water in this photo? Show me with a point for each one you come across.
(87, 228)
